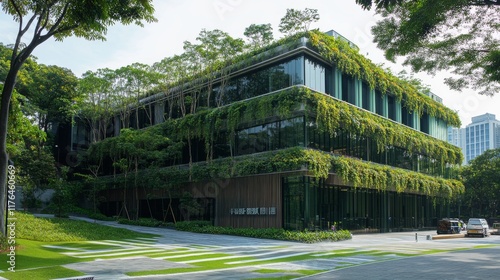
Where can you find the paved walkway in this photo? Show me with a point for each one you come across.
(261, 258)
(471, 264)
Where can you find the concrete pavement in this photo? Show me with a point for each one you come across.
(261, 258)
(459, 265)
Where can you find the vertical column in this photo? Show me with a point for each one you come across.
(432, 126)
(358, 92)
(372, 100)
(385, 105)
(159, 112)
(337, 87)
(399, 118)
(307, 203)
(117, 125)
(416, 120)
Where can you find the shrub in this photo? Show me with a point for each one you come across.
(267, 233)
(4, 245)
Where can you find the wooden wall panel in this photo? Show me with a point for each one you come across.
(255, 192)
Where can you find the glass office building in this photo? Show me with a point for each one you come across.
(377, 123)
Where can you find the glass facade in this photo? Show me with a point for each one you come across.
(309, 202)
(298, 70)
(271, 136)
(312, 204)
(262, 81)
(316, 75)
(344, 143)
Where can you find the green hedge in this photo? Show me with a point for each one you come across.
(267, 233)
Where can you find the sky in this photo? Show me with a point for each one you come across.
(182, 20)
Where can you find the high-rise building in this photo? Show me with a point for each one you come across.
(482, 134)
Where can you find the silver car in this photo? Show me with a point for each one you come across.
(477, 226)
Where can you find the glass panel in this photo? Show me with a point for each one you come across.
(348, 93)
(315, 75)
(292, 132)
(366, 96)
(293, 203)
(391, 107)
(379, 103)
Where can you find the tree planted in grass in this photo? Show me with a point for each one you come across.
(57, 19)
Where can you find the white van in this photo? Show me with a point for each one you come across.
(477, 226)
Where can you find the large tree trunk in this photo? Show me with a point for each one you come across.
(8, 89)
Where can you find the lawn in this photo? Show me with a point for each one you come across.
(34, 260)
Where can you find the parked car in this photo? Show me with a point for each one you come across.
(448, 226)
(477, 226)
(496, 228)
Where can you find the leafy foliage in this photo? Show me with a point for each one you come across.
(50, 95)
(331, 115)
(259, 35)
(295, 20)
(349, 61)
(482, 181)
(267, 233)
(460, 36)
(55, 19)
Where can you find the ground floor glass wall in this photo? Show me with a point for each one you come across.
(309, 203)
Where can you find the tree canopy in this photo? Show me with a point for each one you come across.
(457, 36)
(57, 19)
(259, 35)
(295, 21)
(482, 182)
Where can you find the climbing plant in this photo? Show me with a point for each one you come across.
(354, 172)
(350, 61)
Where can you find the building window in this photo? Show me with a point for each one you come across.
(366, 96)
(407, 118)
(271, 136)
(391, 102)
(348, 93)
(424, 123)
(379, 103)
(315, 75)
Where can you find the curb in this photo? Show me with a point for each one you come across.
(448, 236)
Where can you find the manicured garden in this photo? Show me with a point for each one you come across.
(34, 261)
(267, 233)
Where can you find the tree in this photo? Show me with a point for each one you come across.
(51, 94)
(458, 36)
(57, 19)
(295, 20)
(259, 35)
(482, 184)
(379, 4)
(96, 108)
(37, 170)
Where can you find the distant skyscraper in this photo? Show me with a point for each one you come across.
(477, 137)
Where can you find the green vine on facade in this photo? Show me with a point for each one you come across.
(349, 61)
(354, 172)
(331, 115)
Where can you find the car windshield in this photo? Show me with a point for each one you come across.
(475, 222)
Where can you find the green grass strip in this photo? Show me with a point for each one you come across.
(42, 273)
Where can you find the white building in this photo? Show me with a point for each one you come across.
(477, 137)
